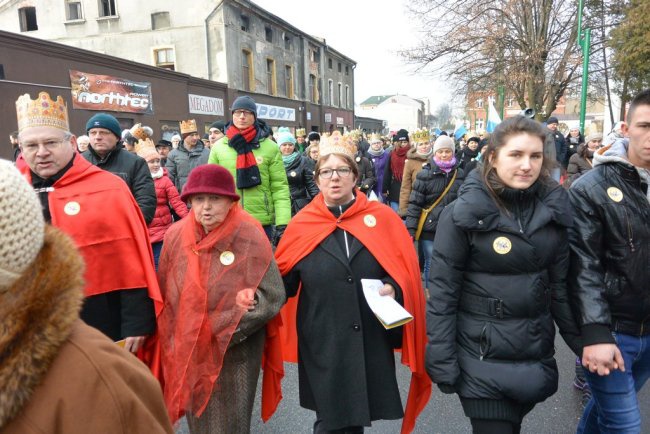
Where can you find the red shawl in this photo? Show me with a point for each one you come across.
(398, 161)
(382, 232)
(200, 276)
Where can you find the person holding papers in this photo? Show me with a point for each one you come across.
(497, 282)
(345, 357)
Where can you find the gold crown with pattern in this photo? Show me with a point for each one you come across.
(420, 136)
(336, 143)
(188, 126)
(301, 132)
(42, 112)
(374, 138)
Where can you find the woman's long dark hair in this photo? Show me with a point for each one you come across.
(504, 131)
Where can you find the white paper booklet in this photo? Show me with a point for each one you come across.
(389, 312)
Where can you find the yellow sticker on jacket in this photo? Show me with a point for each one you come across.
(502, 245)
(370, 220)
(293, 174)
(227, 258)
(259, 159)
(615, 194)
(72, 208)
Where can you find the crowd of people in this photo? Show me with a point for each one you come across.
(213, 259)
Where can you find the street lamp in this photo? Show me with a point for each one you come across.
(584, 41)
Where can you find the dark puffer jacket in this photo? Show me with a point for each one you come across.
(367, 178)
(134, 171)
(302, 187)
(181, 161)
(429, 184)
(497, 282)
(610, 245)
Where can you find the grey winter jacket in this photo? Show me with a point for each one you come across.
(181, 161)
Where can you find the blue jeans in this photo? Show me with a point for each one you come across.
(156, 248)
(394, 205)
(614, 407)
(427, 250)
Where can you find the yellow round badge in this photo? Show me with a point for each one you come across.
(502, 245)
(227, 258)
(370, 220)
(259, 159)
(293, 174)
(72, 208)
(615, 194)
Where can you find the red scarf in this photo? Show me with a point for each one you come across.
(382, 232)
(247, 173)
(398, 160)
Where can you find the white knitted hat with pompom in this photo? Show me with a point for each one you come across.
(22, 228)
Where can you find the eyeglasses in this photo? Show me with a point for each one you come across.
(343, 172)
(242, 112)
(49, 145)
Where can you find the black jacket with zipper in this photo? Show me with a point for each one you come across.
(497, 283)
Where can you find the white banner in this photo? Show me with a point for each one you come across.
(339, 121)
(205, 105)
(328, 117)
(265, 111)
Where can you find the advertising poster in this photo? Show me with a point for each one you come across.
(108, 93)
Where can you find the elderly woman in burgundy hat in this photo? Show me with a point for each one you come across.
(221, 287)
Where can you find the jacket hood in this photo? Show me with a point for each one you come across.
(36, 316)
(412, 154)
(476, 210)
(614, 153)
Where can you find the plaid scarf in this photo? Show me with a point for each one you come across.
(247, 174)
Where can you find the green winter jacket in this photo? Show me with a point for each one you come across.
(268, 202)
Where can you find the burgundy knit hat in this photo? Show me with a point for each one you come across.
(210, 179)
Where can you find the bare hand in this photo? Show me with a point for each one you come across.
(387, 289)
(134, 343)
(246, 299)
(602, 358)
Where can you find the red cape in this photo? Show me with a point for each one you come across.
(97, 209)
(383, 233)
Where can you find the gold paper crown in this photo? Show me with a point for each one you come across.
(335, 143)
(301, 132)
(374, 137)
(145, 147)
(140, 132)
(41, 112)
(188, 126)
(421, 136)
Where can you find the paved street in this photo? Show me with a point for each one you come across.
(557, 415)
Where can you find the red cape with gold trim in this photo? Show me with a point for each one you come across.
(383, 233)
(97, 209)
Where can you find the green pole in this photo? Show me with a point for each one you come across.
(586, 42)
(501, 99)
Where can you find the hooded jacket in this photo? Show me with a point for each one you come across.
(610, 244)
(181, 161)
(270, 201)
(59, 375)
(497, 283)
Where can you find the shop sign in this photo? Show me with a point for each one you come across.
(265, 111)
(109, 93)
(205, 105)
(328, 117)
(339, 121)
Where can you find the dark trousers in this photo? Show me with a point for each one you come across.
(493, 426)
(318, 429)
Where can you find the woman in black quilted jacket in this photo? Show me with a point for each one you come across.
(300, 172)
(498, 283)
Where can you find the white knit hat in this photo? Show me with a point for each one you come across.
(22, 227)
(443, 142)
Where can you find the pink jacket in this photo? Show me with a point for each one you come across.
(166, 195)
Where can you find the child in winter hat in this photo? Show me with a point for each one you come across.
(22, 228)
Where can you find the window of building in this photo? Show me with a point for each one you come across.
(340, 89)
(165, 58)
(347, 96)
(270, 77)
(287, 42)
(247, 70)
(347, 70)
(27, 17)
(73, 10)
(245, 24)
(107, 8)
(313, 90)
(160, 20)
(330, 91)
(268, 34)
(511, 102)
(329, 63)
(479, 103)
(288, 81)
(340, 67)
(480, 124)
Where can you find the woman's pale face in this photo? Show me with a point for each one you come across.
(594, 145)
(313, 152)
(444, 154)
(210, 210)
(336, 190)
(574, 132)
(472, 145)
(518, 162)
(424, 148)
(154, 164)
(286, 148)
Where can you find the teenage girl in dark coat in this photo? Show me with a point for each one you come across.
(498, 281)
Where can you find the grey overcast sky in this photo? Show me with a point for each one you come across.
(370, 32)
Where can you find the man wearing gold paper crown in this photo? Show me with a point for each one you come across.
(107, 152)
(346, 364)
(301, 140)
(99, 212)
(191, 152)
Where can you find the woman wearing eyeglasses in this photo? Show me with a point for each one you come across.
(346, 364)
